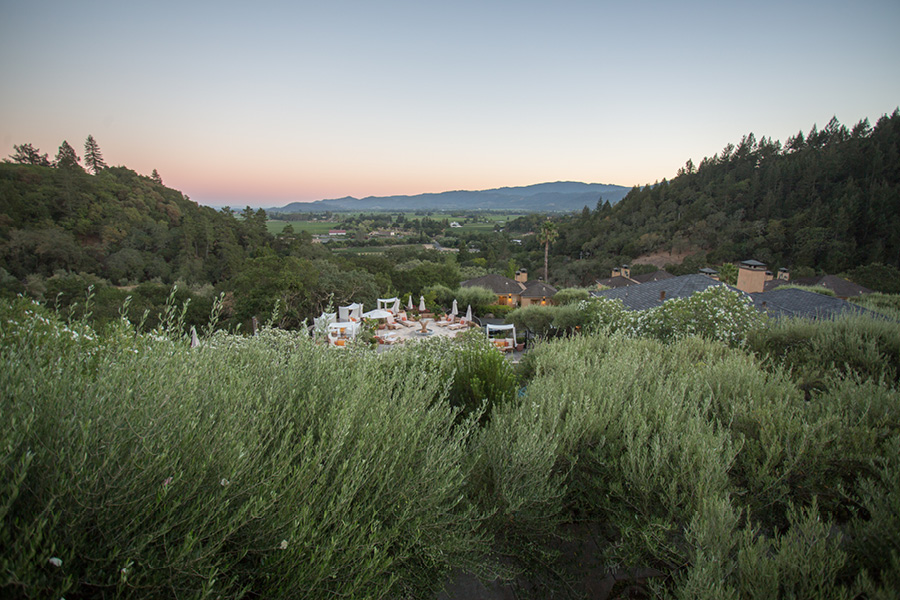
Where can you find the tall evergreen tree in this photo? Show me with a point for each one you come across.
(26, 154)
(155, 177)
(66, 157)
(92, 155)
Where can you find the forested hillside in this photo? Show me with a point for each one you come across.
(118, 225)
(827, 200)
(64, 228)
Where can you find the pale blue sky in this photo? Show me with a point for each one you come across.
(269, 102)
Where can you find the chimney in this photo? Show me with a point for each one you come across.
(711, 273)
(616, 272)
(752, 276)
(662, 295)
(522, 275)
(626, 271)
(784, 274)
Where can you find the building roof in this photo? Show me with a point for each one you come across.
(538, 289)
(646, 295)
(655, 276)
(840, 286)
(498, 284)
(752, 263)
(808, 305)
(616, 282)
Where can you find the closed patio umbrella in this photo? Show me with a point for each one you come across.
(455, 310)
(421, 303)
(469, 314)
(409, 304)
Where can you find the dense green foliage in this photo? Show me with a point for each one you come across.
(828, 200)
(267, 466)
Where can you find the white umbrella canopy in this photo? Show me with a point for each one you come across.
(469, 313)
(421, 303)
(409, 304)
(455, 310)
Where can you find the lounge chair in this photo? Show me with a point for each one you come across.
(404, 321)
(461, 325)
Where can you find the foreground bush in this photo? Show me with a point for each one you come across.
(716, 313)
(813, 350)
(700, 462)
(135, 466)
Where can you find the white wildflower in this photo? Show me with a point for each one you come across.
(56, 562)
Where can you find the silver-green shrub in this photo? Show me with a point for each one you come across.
(136, 466)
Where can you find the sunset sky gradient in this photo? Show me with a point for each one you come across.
(272, 102)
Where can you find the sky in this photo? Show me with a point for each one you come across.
(266, 103)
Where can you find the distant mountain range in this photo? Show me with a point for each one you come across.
(561, 196)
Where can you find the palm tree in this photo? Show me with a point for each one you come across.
(546, 236)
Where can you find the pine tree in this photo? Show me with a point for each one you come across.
(92, 156)
(66, 157)
(155, 177)
(26, 154)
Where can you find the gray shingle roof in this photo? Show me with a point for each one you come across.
(616, 282)
(841, 287)
(646, 295)
(538, 289)
(654, 276)
(803, 304)
(496, 283)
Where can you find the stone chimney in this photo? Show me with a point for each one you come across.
(752, 276)
(522, 275)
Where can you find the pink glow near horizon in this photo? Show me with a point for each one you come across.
(270, 104)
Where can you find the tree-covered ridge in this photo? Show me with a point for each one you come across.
(827, 200)
(115, 224)
(62, 229)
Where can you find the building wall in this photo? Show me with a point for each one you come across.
(531, 301)
(504, 300)
(752, 280)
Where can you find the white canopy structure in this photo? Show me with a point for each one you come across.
(321, 323)
(492, 329)
(339, 330)
(390, 304)
(378, 313)
(507, 343)
(352, 311)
